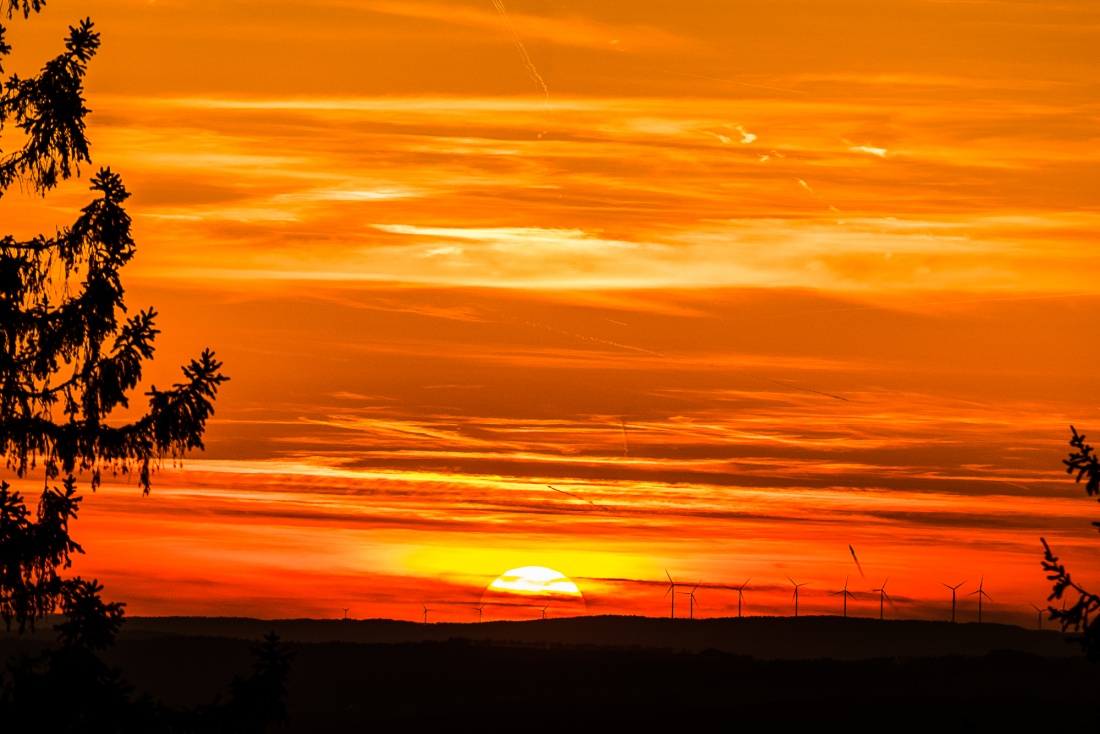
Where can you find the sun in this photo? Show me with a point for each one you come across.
(532, 592)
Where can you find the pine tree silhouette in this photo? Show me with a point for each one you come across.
(69, 357)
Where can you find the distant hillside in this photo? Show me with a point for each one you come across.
(614, 672)
(763, 638)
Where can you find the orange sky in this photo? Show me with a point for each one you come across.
(758, 279)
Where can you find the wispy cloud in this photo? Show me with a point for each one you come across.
(880, 152)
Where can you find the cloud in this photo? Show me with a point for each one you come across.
(746, 137)
(347, 194)
(613, 196)
(445, 250)
(516, 240)
(880, 152)
(576, 30)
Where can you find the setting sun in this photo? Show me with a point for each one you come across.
(533, 587)
(535, 581)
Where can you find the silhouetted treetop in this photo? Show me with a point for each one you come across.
(66, 348)
(70, 355)
(1083, 461)
(11, 7)
(49, 109)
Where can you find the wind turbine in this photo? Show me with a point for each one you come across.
(796, 588)
(845, 594)
(480, 612)
(691, 600)
(883, 596)
(980, 594)
(953, 590)
(346, 610)
(426, 610)
(671, 588)
(741, 595)
(544, 611)
(1040, 611)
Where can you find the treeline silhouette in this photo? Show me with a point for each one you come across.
(71, 689)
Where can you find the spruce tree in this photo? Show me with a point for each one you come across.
(71, 354)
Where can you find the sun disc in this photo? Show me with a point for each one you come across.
(535, 580)
(518, 591)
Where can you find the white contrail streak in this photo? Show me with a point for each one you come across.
(531, 70)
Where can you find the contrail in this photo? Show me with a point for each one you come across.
(787, 385)
(857, 561)
(790, 386)
(531, 70)
(576, 497)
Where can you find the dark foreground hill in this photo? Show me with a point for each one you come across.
(615, 671)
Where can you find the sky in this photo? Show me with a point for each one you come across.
(615, 288)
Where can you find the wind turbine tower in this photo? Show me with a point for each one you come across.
(980, 594)
(796, 588)
(883, 596)
(1040, 611)
(426, 610)
(844, 595)
(741, 595)
(691, 600)
(672, 590)
(953, 590)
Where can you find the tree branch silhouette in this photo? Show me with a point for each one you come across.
(1083, 462)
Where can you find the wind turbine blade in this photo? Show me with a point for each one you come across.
(669, 577)
(853, 550)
